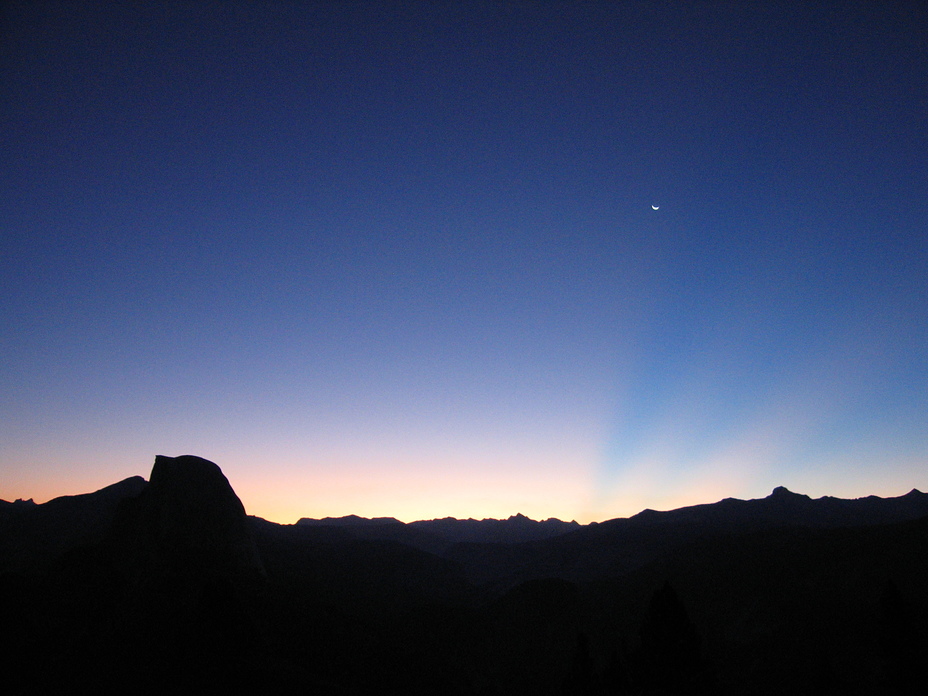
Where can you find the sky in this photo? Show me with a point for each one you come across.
(420, 260)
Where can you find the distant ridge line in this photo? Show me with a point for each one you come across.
(515, 529)
(823, 511)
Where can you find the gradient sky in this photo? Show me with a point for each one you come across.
(401, 259)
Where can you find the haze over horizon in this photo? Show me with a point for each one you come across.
(401, 259)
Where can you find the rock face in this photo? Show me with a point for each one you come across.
(154, 585)
(191, 524)
(194, 575)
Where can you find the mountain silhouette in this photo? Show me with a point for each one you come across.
(188, 521)
(193, 577)
(31, 534)
(349, 521)
(438, 534)
(619, 546)
(168, 586)
(159, 577)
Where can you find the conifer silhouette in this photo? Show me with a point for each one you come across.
(670, 658)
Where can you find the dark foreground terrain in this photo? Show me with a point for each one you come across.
(166, 586)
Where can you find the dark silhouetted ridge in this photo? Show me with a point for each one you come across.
(33, 534)
(435, 535)
(194, 578)
(783, 493)
(189, 521)
(348, 521)
(169, 587)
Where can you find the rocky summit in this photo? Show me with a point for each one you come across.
(168, 587)
(191, 522)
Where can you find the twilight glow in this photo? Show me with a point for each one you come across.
(424, 260)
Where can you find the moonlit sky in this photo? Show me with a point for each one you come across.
(400, 259)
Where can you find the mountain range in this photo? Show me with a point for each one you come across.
(171, 579)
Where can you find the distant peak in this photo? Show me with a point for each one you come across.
(783, 496)
(348, 521)
(781, 492)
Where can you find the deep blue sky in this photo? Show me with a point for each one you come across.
(401, 259)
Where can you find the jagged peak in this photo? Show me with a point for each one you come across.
(20, 504)
(782, 493)
(558, 520)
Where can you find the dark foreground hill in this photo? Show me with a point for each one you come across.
(167, 586)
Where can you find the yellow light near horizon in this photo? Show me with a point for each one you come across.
(414, 494)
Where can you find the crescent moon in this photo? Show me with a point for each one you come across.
(655, 207)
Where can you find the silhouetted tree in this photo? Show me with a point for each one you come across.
(580, 680)
(616, 680)
(901, 643)
(670, 659)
